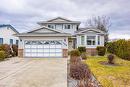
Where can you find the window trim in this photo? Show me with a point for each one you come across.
(1, 40)
(11, 43)
(82, 39)
(17, 42)
(92, 43)
(51, 26)
(67, 26)
(99, 40)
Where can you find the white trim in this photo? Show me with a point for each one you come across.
(59, 31)
(96, 30)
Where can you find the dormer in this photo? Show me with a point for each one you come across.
(60, 23)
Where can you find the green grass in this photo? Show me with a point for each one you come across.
(110, 76)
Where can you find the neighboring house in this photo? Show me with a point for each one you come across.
(7, 35)
(56, 37)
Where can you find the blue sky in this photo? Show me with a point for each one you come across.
(23, 14)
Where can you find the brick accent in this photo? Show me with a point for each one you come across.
(91, 51)
(65, 53)
(20, 53)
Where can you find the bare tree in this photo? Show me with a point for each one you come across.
(100, 22)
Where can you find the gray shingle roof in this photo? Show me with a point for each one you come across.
(10, 26)
(52, 21)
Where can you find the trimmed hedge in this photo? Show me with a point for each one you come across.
(121, 48)
(82, 49)
(101, 50)
(2, 55)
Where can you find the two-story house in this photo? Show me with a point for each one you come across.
(7, 34)
(55, 37)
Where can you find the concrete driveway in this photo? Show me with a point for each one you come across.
(18, 72)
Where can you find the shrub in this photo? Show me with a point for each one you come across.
(2, 55)
(110, 59)
(80, 72)
(101, 50)
(75, 57)
(6, 48)
(15, 50)
(74, 53)
(84, 55)
(111, 47)
(121, 48)
(82, 49)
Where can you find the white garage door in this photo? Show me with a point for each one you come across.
(45, 48)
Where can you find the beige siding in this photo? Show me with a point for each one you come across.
(7, 34)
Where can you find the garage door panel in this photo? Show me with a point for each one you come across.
(33, 46)
(33, 50)
(40, 46)
(46, 50)
(58, 54)
(52, 54)
(40, 50)
(58, 46)
(27, 46)
(46, 46)
(52, 46)
(52, 50)
(27, 54)
(46, 54)
(40, 55)
(34, 54)
(58, 50)
(27, 50)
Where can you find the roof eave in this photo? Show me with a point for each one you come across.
(42, 35)
(42, 23)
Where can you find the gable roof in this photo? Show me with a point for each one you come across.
(44, 31)
(9, 26)
(44, 27)
(84, 30)
(64, 19)
(58, 20)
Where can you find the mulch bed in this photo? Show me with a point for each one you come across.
(108, 64)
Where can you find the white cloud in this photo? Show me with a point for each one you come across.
(119, 36)
(24, 14)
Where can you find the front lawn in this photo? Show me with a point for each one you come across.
(110, 76)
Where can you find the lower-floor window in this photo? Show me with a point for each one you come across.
(98, 40)
(1, 40)
(91, 40)
(82, 40)
(11, 41)
(17, 41)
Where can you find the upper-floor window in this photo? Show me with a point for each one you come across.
(1, 40)
(77, 27)
(11, 41)
(91, 40)
(17, 41)
(51, 26)
(67, 26)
